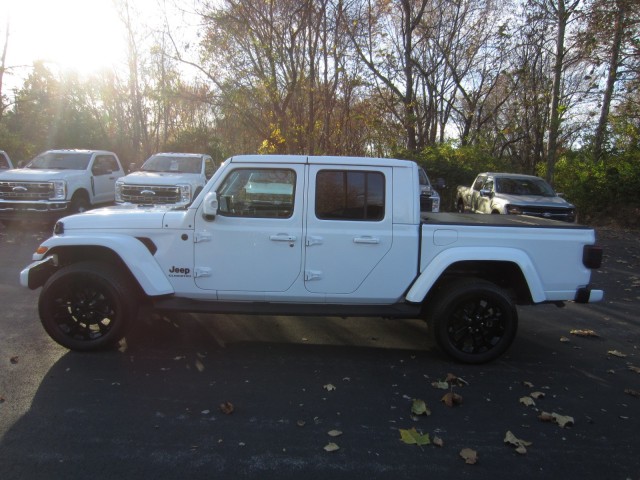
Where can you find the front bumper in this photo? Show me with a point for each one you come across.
(29, 210)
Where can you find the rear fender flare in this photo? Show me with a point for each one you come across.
(445, 259)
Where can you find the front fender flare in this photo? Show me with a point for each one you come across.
(131, 251)
(445, 259)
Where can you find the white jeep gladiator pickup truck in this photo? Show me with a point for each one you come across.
(58, 183)
(166, 179)
(299, 235)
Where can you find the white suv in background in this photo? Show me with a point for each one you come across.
(166, 179)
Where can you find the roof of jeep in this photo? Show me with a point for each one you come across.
(322, 160)
(177, 154)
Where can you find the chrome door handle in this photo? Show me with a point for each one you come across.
(367, 240)
(282, 237)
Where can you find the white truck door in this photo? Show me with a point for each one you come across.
(104, 173)
(254, 244)
(349, 226)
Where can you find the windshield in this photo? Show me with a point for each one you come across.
(166, 163)
(60, 161)
(524, 186)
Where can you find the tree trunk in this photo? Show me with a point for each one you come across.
(611, 79)
(554, 123)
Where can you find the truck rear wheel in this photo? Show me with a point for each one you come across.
(87, 306)
(472, 320)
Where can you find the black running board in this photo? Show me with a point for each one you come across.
(398, 310)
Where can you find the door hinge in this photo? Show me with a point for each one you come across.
(311, 240)
(202, 237)
(199, 272)
(312, 275)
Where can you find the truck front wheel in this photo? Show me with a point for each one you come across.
(472, 320)
(79, 203)
(87, 306)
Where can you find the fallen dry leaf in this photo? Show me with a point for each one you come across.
(527, 384)
(470, 456)
(438, 442)
(633, 368)
(527, 401)
(199, 365)
(331, 447)
(584, 333)
(545, 417)
(334, 433)
(441, 385)
(419, 407)
(564, 339)
(633, 393)
(413, 437)
(455, 380)
(452, 399)
(537, 395)
(562, 420)
(227, 408)
(520, 444)
(329, 387)
(616, 353)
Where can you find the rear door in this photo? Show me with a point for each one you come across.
(349, 228)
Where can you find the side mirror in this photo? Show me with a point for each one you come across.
(210, 206)
(486, 193)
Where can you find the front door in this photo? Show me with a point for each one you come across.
(349, 227)
(254, 245)
(104, 173)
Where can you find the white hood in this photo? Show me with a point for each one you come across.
(535, 200)
(160, 178)
(115, 218)
(38, 175)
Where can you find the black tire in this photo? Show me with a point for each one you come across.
(472, 320)
(87, 306)
(79, 203)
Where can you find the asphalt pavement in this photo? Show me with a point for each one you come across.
(217, 397)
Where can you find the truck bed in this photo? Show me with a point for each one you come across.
(495, 220)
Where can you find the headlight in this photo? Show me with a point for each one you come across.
(435, 204)
(119, 185)
(59, 190)
(513, 210)
(185, 193)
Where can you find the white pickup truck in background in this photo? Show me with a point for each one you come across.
(514, 194)
(57, 183)
(166, 179)
(299, 235)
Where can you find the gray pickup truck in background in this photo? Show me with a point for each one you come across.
(514, 194)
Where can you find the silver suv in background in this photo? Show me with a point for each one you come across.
(429, 197)
(166, 179)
